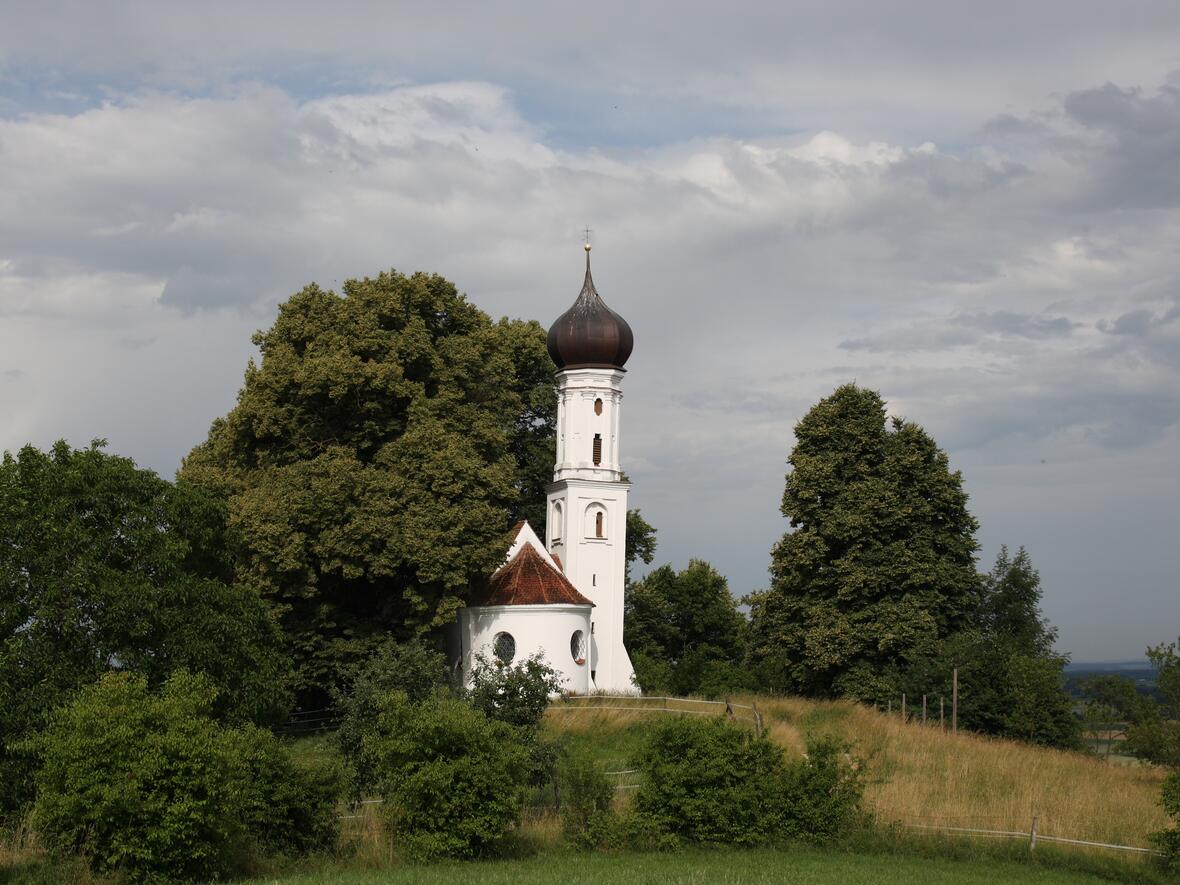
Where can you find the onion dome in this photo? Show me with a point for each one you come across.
(590, 335)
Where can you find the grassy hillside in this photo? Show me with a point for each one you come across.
(921, 775)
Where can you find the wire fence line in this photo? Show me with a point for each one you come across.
(1032, 835)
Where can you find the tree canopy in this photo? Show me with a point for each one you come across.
(880, 562)
(641, 542)
(684, 632)
(106, 566)
(376, 458)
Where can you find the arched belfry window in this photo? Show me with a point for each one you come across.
(598, 406)
(596, 525)
(597, 449)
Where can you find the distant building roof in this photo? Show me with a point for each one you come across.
(529, 579)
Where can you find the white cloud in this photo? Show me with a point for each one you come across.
(1000, 291)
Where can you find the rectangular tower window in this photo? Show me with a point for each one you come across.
(597, 449)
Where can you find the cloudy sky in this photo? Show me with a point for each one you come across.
(973, 208)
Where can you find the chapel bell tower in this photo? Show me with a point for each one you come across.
(586, 525)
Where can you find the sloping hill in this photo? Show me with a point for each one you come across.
(921, 775)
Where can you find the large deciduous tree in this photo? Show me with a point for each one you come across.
(880, 562)
(684, 632)
(376, 458)
(104, 565)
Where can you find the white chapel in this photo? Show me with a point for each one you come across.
(563, 596)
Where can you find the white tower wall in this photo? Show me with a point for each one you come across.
(586, 524)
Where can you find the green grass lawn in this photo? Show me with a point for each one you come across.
(801, 865)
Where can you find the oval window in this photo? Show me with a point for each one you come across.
(504, 648)
(578, 647)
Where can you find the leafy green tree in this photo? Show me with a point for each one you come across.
(104, 565)
(1168, 841)
(376, 458)
(1011, 682)
(517, 694)
(453, 781)
(1155, 735)
(413, 667)
(148, 784)
(641, 543)
(684, 632)
(880, 563)
(1011, 605)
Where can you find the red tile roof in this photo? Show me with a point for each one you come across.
(529, 580)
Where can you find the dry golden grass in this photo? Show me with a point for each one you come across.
(922, 775)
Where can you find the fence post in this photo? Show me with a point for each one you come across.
(1032, 835)
(889, 707)
(923, 709)
(757, 719)
(941, 706)
(955, 703)
(903, 708)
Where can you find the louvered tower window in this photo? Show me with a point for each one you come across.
(597, 449)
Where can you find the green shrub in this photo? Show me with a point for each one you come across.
(585, 793)
(514, 693)
(150, 785)
(710, 781)
(453, 781)
(139, 782)
(414, 667)
(1168, 841)
(821, 793)
(293, 807)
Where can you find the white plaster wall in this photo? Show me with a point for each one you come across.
(577, 389)
(596, 566)
(536, 628)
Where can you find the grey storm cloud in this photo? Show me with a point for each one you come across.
(978, 222)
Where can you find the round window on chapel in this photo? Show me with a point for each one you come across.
(578, 647)
(504, 648)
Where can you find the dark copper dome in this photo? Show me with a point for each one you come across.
(590, 335)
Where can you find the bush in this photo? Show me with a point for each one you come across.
(150, 785)
(453, 781)
(822, 792)
(139, 782)
(517, 694)
(713, 782)
(585, 795)
(292, 808)
(414, 668)
(708, 781)
(1168, 841)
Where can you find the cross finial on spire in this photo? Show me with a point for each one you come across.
(587, 245)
